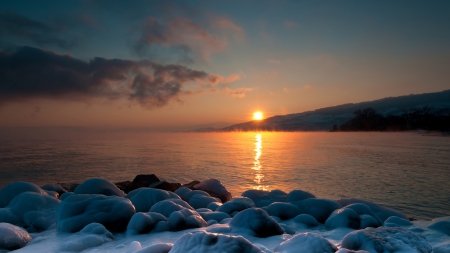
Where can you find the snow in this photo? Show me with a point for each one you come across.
(395, 221)
(257, 222)
(98, 186)
(343, 217)
(284, 211)
(203, 242)
(215, 189)
(144, 198)
(79, 210)
(13, 237)
(11, 190)
(306, 242)
(297, 195)
(384, 239)
(156, 248)
(237, 204)
(92, 235)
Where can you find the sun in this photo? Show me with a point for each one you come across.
(257, 116)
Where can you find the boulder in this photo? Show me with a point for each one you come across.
(320, 209)
(284, 211)
(215, 189)
(306, 242)
(297, 195)
(185, 219)
(343, 218)
(54, 187)
(257, 222)
(236, 205)
(98, 186)
(264, 198)
(191, 184)
(11, 190)
(12, 237)
(163, 185)
(92, 235)
(144, 198)
(143, 223)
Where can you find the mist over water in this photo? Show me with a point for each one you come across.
(405, 171)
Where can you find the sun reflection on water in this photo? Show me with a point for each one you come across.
(257, 164)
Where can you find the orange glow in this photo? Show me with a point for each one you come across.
(257, 116)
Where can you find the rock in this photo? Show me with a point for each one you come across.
(98, 186)
(69, 187)
(361, 208)
(125, 186)
(79, 210)
(191, 184)
(185, 219)
(381, 212)
(11, 190)
(368, 221)
(144, 198)
(284, 211)
(343, 218)
(297, 195)
(168, 206)
(395, 221)
(264, 198)
(143, 223)
(13, 237)
(217, 216)
(204, 242)
(215, 189)
(236, 204)
(163, 185)
(441, 224)
(320, 209)
(257, 222)
(382, 239)
(306, 242)
(200, 201)
(307, 219)
(144, 180)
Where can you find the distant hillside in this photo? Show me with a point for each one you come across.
(325, 118)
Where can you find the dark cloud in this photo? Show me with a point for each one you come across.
(16, 26)
(28, 73)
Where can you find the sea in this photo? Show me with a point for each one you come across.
(409, 172)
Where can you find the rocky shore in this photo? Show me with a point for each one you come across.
(150, 215)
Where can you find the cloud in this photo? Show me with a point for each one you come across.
(238, 93)
(216, 79)
(185, 37)
(29, 73)
(16, 26)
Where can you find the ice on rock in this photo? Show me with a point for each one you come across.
(215, 189)
(54, 187)
(143, 223)
(79, 210)
(395, 221)
(134, 246)
(144, 198)
(297, 195)
(361, 209)
(156, 248)
(441, 224)
(236, 204)
(343, 218)
(306, 242)
(264, 198)
(31, 209)
(13, 237)
(92, 235)
(351, 251)
(381, 212)
(181, 191)
(287, 229)
(442, 248)
(320, 209)
(200, 201)
(52, 194)
(98, 186)
(368, 221)
(185, 219)
(284, 211)
(306, 219)
(188, 195)
(168, 206)
(382, 239)
(11, 190)
(217, 216)
(204, 242)
(65, 195)
(214, 205)
(257, 222)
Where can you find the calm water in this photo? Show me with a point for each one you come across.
(405, 171)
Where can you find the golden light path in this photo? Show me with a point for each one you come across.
(257, 165)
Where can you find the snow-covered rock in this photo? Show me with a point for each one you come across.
(368, 221)
(156, 248)
(215, 189)
(13, 237)
(381, 212)
(343, 218)
(214, 205)
(382, 239)
(441, 224)
(54, 187)
(34, 210)
(217, 216)
(200, 201)
(236, 204)
(99, 186)
(11, 190)
(306, 242)
(257, 222)
(361, 208)
(79, 210)
(306, 219)
(395, 221)
(142, 223)
(264, 198)
(144, 198)
(92, 235)
(185, 219)
(168, 206)
(351, 251)
(318, 208)
(204, 242)
(189, 194)
(297, 195)
(284, 211)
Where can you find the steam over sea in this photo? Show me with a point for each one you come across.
(409, 172)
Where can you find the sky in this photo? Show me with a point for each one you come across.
(147, 64)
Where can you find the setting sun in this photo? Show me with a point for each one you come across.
(257, 116)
